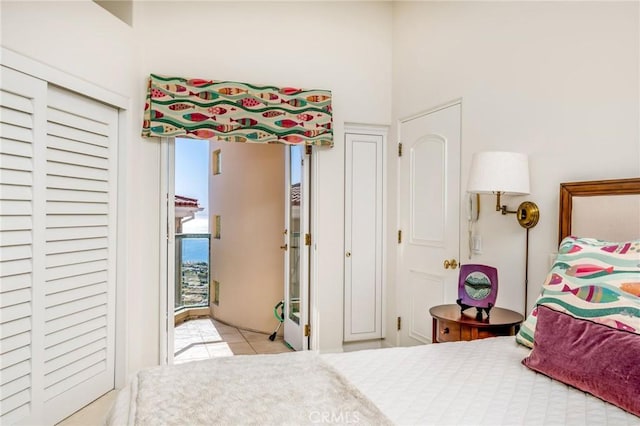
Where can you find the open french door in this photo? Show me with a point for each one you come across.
(297, 243)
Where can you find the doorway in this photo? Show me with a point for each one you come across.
(247, 197)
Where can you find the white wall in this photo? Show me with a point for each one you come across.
(308, 44)
(556, 80)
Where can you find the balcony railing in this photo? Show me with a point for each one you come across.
(192, 271)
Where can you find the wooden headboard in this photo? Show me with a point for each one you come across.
(601, 188)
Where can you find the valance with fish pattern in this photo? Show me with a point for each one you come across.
(237, 112)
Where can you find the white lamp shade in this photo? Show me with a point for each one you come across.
(504, 172)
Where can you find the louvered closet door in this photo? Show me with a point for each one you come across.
(57, 252)
(22, 114)
(79, 302)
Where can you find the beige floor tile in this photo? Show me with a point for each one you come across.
(241, 348)
(270, 347)
(219, 349)
(232, 337)
(94, 413)
(252, 336)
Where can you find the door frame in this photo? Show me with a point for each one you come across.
(166, 319)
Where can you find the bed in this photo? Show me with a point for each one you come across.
(482, 382)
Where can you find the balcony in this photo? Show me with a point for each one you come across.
(192, 288)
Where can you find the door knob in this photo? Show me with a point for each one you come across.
(453, 264)
(348, 254)
(284, 247)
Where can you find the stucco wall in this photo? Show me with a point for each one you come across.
(247, 260)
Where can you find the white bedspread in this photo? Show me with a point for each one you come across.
(469, 383)
(285, 389)
(466, 383)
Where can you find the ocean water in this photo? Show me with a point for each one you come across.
(195, 250)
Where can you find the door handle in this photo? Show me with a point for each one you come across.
(453, 264)
(284, 247)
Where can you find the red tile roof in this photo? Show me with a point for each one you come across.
(182, 201)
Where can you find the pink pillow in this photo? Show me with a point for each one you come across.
(592, 357)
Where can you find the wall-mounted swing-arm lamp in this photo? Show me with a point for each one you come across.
(504, 173)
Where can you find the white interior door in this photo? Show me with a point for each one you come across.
(429, 202)
(297, 245)
(363, 236)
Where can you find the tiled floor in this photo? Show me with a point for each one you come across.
(194, 340)
(206, 338)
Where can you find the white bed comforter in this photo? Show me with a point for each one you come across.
(465, 383)
(469, 383)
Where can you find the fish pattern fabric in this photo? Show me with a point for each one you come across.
(237, 112)
(592, 279)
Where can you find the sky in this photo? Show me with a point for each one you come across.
(192, 180)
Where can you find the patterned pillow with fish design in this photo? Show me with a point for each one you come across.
(595, 280)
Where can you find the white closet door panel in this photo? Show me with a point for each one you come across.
(62, 234)
(78, 135)
(15, 162)
(22, 325)
(16, 400)
(76, 196)
(15, 253)
(15, 282)
(15, 147)
(16, 223)
(75, 305)
(17, 193)
(80, 341)
(15, 297)
(15, 177)
(15, 371)
(14, 312)
(65, 260)
(76, 171)
(70, 320)
(15, 208)
(16, 118)
(75, 382)
(76, 281)
(58, 180)
(16, 102)
(79, 244)
(69, 157)
(15, 342)
(70, 145)
(16, 267)
(78, 293)
(56, 365)
(78, 269)
(15, 133)
(72, 121)
(80, 275)
(19, 105)
(14, 238)
(64, 221)
(79, 363)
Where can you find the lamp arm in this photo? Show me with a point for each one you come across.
(500, 208)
